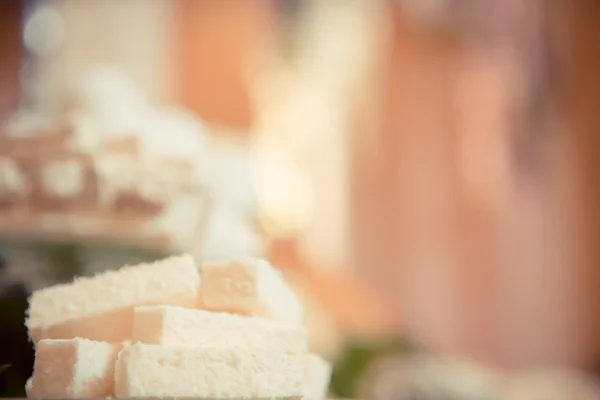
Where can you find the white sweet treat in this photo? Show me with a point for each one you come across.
(101, 308)
(63, 179)
(114, 101)
(11, 178)
(206, 372)
(163, 325)
(180, 220)
(118, 175)
(85, 137)
(250, 287)
(74, 368)
(27, 123)
(176, 134)
(137, 173)
(318, 373)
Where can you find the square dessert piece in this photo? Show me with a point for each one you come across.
(250, 287)
(101, 308)
(208, 372)
(164, 325)
(73, 368)
(66, 182)
(15, 183)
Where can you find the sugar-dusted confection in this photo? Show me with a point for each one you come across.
(66, 182)
(208, 372)
(164, 325)
(250, 287)
(101, 308)
(14, 186)
(317, 375)
(73, 368)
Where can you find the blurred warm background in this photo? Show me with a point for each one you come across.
(423, 172)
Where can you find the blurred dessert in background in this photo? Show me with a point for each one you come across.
(108, 167)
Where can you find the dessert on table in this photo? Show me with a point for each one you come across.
(169, 328)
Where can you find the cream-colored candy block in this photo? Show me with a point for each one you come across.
(164, 325)
(207, 372)
(73, 368)
(250, 287)
(101, 308)
(317, 375)
(11, 178)
(63, 179)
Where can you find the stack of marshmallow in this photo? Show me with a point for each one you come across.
(166, 330)
(103, 164)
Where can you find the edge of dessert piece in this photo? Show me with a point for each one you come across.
(262, 290)
(252, 373)
(145, 283)
(318, 375)
(217, 287)
(73, 368)
(170, 325)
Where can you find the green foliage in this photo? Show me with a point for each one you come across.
(357, 358)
